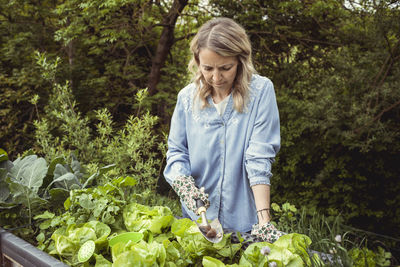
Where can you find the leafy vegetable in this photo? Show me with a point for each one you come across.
(3, 155)
(125, 238)
(29, 182)
(288, 250)
(103, 203)
(101, 261)
(139, 254)
(5, 196)
(138, 217)
(24, 179)
(297, 244)
(193, 242)
(362, 257)
(86, 251)
(69, 240)
(212, 262)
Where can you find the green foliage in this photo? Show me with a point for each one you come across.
(141, 254)
(133, 148)
(363, 257)
(69, 240)
(102, 203)
(329, 235)
(139, 217)
(24, 28)
(196, 246)
(285, 214)
(112, 40)
(108, 48)
(288, 250)
(116, 42)
(165, 239)
(382, 257)
(98, 213)
(24, 180)
(29, 186)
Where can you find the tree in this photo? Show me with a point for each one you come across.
(25, 27)
(165, 43)
(109, 48)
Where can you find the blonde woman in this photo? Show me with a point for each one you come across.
(224, 133)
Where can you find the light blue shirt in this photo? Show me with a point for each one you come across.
(225, 154)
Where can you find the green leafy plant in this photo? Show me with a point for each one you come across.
(5, 195)
(382, 257)
(286, 215)
(69, 240)
(138, 217)
(362, 257)
(24, 180)
(29, 186)
(335, 242)
(166, 239)
(288, 250)
(133, 148)
(103, 203)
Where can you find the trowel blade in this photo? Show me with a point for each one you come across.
(216, 225)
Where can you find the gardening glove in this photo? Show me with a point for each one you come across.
(266, 232)
(186, 189)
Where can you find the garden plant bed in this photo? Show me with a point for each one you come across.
(17, 252)
(74, 221)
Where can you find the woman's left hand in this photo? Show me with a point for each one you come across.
(267, 232)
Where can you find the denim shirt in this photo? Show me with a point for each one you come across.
(225, 154)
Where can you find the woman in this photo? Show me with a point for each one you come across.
(225, 133)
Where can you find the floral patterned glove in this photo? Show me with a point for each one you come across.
(267, 232)
(186, 189)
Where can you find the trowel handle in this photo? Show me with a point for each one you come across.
(201, 207)
(199, 203)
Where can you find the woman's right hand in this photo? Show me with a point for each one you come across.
(186, 189)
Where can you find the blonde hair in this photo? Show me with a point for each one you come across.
(227, 38)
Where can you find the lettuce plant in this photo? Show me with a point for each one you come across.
(68, 240)
(138, 217)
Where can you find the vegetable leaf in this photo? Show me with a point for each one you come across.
(138, 217)
(29, 172)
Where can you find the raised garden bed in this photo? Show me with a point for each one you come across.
(17, 252)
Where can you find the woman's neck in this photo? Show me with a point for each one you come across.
(218, 96)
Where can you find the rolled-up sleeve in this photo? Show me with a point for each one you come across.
(177, 158)
(265, 139)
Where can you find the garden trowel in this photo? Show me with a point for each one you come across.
(213, 231)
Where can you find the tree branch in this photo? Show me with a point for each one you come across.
(377, 117)
(295, 38)
(184, 37)
(165, 43)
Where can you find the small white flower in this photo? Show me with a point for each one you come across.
(338, 238)
(265, 250)
(332, 251)
(272, 264)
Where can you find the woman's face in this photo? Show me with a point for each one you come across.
(218, 71)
